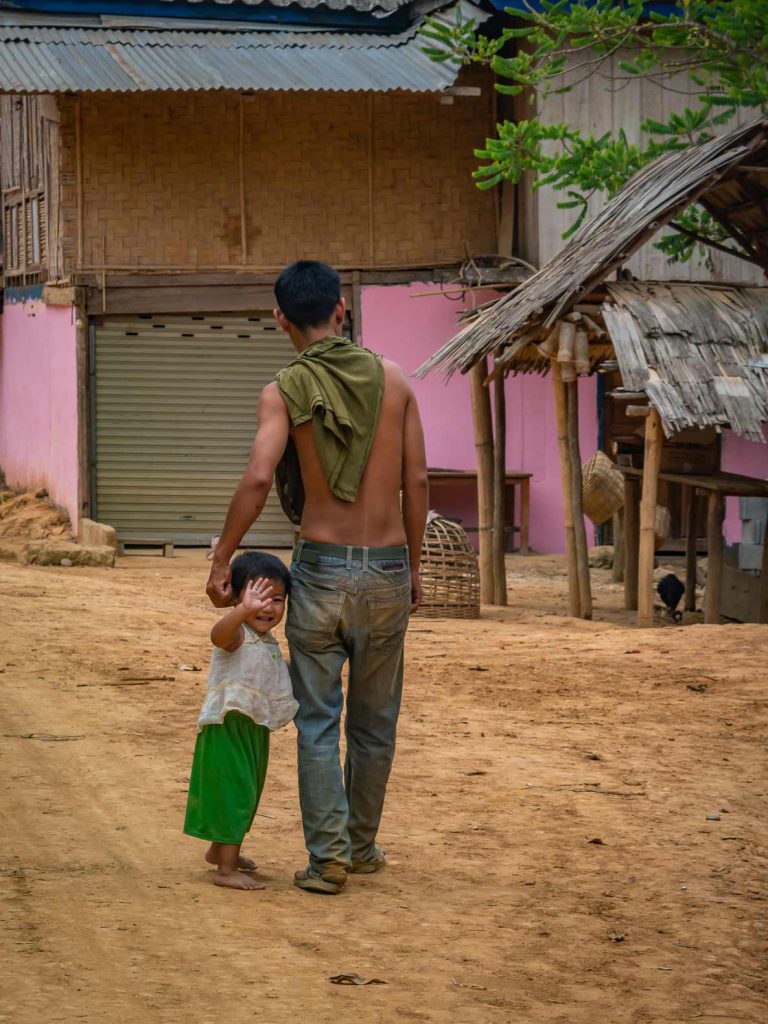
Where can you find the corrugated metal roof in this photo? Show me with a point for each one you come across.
(45, 59)
(334, 5)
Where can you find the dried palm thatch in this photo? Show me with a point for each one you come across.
(689, 348)
(728, 176)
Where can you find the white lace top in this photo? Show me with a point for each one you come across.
(253, 680)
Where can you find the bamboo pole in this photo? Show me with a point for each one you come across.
(561, 419)
(631, 541)
(617, 569)
(577, 489)
(651, 463)
(499, 492)
(483, 426)
(715, 514)
(690, 548)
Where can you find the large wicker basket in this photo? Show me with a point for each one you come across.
(603, 493)
(450, 576)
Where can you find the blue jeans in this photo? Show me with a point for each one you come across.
(342, 610)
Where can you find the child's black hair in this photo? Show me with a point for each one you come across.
(253, 564)
(307, 292)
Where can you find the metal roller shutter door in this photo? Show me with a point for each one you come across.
(175, 414)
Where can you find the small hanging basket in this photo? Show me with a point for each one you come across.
(450, 576)
(603, 493)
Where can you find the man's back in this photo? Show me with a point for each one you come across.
(375, 517)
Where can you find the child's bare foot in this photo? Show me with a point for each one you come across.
(213, 854)
(236, 880)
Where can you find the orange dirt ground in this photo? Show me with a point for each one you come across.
(525, 738)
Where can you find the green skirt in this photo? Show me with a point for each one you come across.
(228, 772)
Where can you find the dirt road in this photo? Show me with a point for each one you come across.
(550, 855)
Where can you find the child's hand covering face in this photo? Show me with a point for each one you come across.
(263, 601)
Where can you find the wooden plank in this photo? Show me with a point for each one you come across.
(653, 440)
(525, 513)
(180, 299)
(715, 515)
(617, 568)
(499, 493)
(690, 502)
(631, 540)
(577, 490)
(483, 429)
(763, 610)
(561, 418)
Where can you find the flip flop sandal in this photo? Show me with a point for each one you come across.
(329, 884)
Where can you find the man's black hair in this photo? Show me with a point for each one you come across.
(307, 292)
(254, 564)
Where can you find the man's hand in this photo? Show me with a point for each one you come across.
(416, 591)
(219, 586)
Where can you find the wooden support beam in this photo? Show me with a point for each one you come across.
(763, 610)
(715, 515)
(525, 514)
(499, 493)
(651, 462)
(577, 489)
(631, 540)
(691, 507)
(617, 569)
(561, 418)
(483, 427)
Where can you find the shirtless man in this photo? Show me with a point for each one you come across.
(355, 579)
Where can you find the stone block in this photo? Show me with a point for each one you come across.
(43, 552)
(93, 534)
(601, 557)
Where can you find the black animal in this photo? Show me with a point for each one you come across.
(671, 589)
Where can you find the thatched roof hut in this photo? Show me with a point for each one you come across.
(697, 352)
(728, 176)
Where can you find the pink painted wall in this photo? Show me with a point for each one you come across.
(38, 401)
(749, 458)
(408, 329)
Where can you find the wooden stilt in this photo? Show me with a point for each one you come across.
(689, 496)
(715, 514)
(499, 492)
(631, 540)
(577, 488)
(561, 418)
(525, 514)
(763, 610)
(481, 415)
(617, 569)
(652, 460)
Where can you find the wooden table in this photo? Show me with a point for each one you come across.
(437, 477)
(716, 488)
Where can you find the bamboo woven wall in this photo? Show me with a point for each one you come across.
(361, 180)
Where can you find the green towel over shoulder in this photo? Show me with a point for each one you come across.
(338, 386)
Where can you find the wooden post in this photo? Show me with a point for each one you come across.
(525, 514)
(499, 492)
(651, 462)
(715, 513)
(577, 489)
(763, 610)
(631, 540)
(617, 569)
(689, 494)
(561, 418)
(481, 416)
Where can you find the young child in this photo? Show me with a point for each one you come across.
(249, 695)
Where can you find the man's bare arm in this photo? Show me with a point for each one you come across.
(415, 492)
(252, 491)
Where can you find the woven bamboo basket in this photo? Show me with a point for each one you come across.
(603, 493)
(450, 576)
